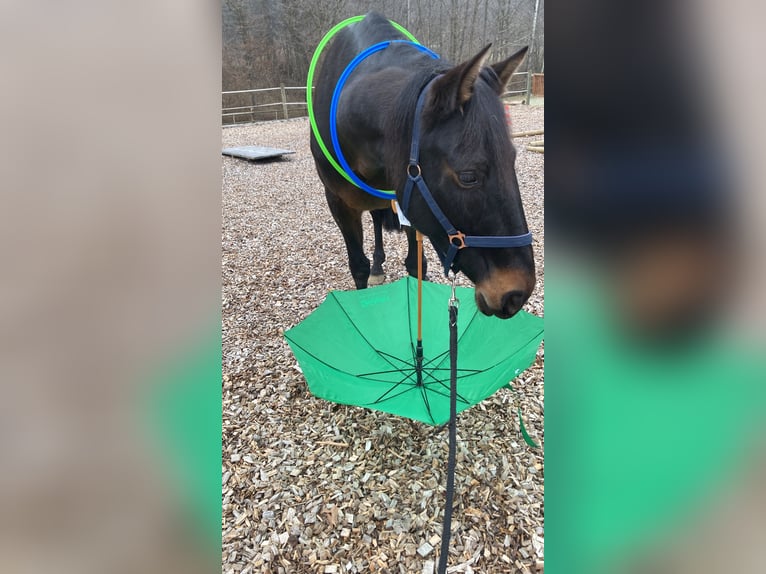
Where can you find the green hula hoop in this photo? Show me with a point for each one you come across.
(310, 82)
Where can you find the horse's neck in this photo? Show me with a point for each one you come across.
(371, 101)
(365, 114)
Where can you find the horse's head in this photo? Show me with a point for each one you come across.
(467, 161)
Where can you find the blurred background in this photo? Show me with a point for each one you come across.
(655, 393)
(110, 287)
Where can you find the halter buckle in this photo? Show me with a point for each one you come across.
(457, 239)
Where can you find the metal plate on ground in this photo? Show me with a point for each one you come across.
(254, 152)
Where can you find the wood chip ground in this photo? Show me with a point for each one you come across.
(314, 487)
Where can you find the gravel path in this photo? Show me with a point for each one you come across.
(315, 487)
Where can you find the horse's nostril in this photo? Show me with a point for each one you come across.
(512, 302)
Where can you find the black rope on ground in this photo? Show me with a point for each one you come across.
(446, 527)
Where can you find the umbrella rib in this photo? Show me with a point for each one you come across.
(385, 381)
(438, 392)
(436, 358)
(384, 396)
(395, 358)
(467, 372)
(426, 365)
(475, 314)
(424, 395)
(372, 375)
(516, 352)
(437, 368)
(478, 372)
(439, 382)
(411, 386)
(387, 396)
(399, 371)
(441, 356)
(336, 369)
(429, 373)
(379, 399)
(382, 355)
(313, 356)
(428, 405)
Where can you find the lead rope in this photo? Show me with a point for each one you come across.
(454, 303)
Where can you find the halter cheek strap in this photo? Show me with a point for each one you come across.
(457, 239)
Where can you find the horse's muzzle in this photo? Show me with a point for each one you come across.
(504, 293)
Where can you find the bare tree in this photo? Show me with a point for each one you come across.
(269, 42)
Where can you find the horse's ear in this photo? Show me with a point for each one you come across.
(505, 68)
(455, 87)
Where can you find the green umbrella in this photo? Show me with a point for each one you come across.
(359, 348)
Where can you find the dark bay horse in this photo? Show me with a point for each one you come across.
(466, 156)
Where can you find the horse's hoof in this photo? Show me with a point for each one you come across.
(376, 280)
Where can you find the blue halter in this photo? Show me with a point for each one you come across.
(457, 239)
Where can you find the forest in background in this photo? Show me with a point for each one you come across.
(270, 42)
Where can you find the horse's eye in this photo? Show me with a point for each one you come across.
(468, 178)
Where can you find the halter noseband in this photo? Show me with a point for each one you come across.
(457, 239)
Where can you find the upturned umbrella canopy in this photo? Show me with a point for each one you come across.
(358, 348)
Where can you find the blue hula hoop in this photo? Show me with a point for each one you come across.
(334, 111)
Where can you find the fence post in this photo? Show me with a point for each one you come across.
(284, 99)
(530, 55)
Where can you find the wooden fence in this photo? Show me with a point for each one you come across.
(263, 104)
(285, 102)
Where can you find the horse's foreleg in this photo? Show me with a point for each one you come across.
(377, 276)
(411, 262)
(350, 224)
